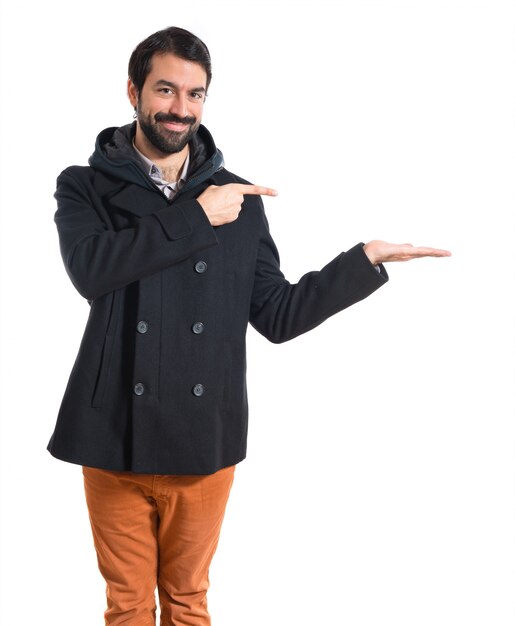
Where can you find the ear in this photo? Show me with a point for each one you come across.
(132, 92)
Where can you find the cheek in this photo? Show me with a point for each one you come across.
(148, 105)
(147, 109)
(197, 112)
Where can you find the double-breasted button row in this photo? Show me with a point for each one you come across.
(139, 389)
(198, 327)
(141, 327)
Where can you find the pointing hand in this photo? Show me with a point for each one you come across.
(222, 204)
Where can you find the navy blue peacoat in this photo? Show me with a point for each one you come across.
(159, 385)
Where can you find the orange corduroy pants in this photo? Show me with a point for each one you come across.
(156, 531)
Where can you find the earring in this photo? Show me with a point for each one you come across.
(135, 115)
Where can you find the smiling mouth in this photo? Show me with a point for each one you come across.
(175, 126)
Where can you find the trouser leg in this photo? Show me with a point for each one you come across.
(124, 521)
(191, 511)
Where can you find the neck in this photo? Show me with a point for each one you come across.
(170, 164)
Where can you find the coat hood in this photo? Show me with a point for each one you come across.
(114, 155)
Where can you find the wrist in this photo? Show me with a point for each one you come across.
(368, 249)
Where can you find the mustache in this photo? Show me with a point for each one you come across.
(170, 117)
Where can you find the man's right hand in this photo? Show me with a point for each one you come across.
(222, 204)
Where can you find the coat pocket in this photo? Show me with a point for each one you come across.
(104, 367)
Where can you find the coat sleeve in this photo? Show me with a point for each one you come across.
(281, 311)
(99, 259)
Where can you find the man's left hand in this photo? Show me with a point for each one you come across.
(383, 252)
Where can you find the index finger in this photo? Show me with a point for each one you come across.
(425, 251)
(256, 190)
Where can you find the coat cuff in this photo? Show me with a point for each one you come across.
(365, 266)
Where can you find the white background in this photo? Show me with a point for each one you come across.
(379, 484)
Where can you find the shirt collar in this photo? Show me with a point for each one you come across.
(154, 171)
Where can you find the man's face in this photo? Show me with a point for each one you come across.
(169, 107)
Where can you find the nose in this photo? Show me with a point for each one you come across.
(179, 105)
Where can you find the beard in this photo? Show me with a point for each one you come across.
(165, 140)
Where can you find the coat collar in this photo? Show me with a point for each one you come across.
(122, 178)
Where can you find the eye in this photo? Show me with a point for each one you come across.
(196, 95)
(166, 90)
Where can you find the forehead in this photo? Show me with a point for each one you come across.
(171, 68)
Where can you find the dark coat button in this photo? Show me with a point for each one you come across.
(200, 267)
(198, 328)
(198, 390)
(142, 327)
(139, 389)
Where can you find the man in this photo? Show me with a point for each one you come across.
(174, 254)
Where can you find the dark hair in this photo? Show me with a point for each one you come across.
(172, 40)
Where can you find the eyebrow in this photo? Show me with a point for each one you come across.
(167, 83)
